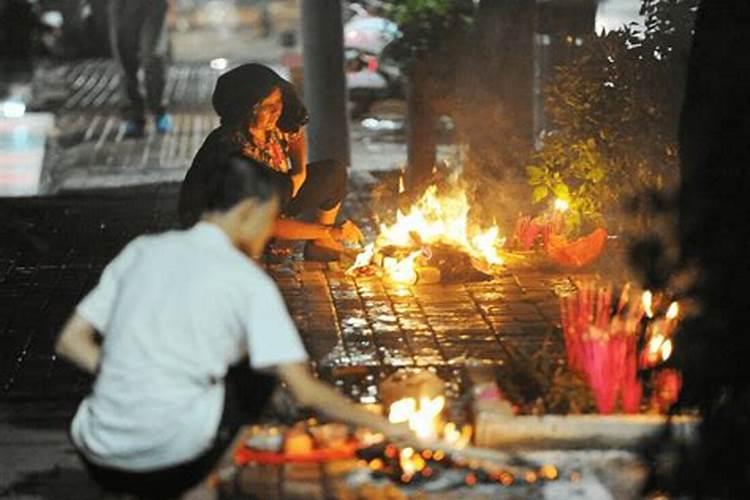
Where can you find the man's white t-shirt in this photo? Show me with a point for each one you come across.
(175, 310)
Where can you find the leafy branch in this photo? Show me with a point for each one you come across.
(614, 112)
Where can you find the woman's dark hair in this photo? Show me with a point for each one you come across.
(241, 88)
(236, 179)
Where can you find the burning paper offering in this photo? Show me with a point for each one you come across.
(438, 222)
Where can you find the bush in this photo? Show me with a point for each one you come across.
(614, 112)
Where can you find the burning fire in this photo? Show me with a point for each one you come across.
(425, 420)
(435, 218)
(404, 270)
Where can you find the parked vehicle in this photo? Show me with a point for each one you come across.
(352, 9)
(370, 76)
(369, 33)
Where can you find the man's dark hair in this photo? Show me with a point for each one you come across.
(236, 179)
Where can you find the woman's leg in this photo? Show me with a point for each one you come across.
(321, 194)
(328, 217)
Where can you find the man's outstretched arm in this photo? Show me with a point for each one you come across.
(308, 391)
(77, 344)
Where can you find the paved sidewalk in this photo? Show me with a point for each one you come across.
(89, 150)
(356, 331)
(53, 249)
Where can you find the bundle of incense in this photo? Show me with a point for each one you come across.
(601, 343)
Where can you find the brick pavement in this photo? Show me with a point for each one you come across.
(345, 322)
(53, 248)
(360, 330)
(356, 330)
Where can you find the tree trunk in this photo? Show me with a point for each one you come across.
(421, 136)
(496, 81)
(506, 44)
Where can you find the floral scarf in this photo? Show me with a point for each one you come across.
(274, 153)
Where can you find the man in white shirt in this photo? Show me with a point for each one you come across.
(175, 311)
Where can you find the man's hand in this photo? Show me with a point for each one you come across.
(348, 232)
(401, 435)
(311, 392)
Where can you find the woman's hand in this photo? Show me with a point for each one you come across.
(298, 179)
(348, 232)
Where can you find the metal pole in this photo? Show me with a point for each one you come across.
(325, 80)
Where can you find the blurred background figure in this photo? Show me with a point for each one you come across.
(20, 27)
(140, 41)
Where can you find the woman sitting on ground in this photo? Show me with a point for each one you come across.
(262, 118)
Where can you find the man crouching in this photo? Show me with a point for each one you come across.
(175, 312)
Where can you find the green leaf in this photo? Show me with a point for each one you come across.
(534, 172)
(597, 174)
(535, 175)
(561, 191)
(539, 194)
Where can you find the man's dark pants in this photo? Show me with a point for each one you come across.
(139, 39)
(247, 394)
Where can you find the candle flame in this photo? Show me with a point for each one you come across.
(647, 300)
(666, 349)
(561, 205)
(659, 349)
(655, 343)
(673, 311)
(405, 458)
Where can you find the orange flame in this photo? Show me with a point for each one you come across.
(402, 271)
(423, 419)
(434, 218)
